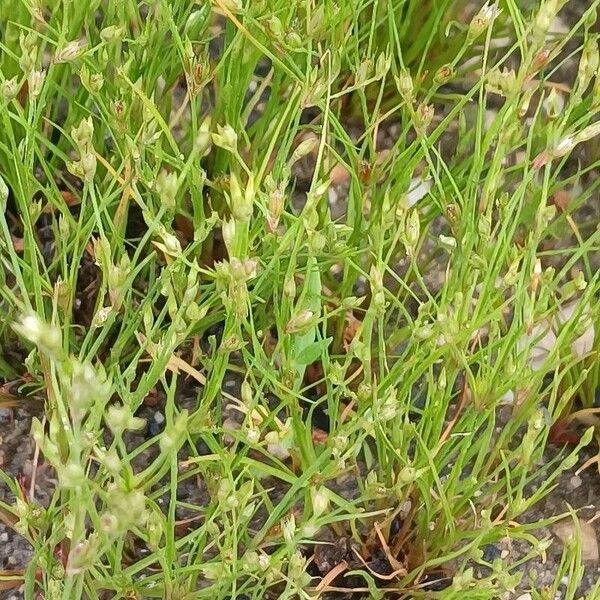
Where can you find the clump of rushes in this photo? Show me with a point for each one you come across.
(374, 223)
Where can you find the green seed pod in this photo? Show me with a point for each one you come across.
(412, 229)
(241, 204)
(405, 86)
(444, 74)
(588, 65)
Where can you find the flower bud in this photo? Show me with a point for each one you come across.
(109, 524)
(225, 138)
(28, 52)
(405, 86)
(412, 229)
(407, 475)
(289, 287)
(241, 204)
(320, 501)
(70, 52)
(10, 88)
(554, 104)
(88, 387)
(301, 322)
(423, 117)
(154, 529)
(119, 418)
(274, 26)
(173, 435)
(203, 141)
(544, 18)
(482, 20)
(112, 33)
(502, 82)
(382, 65)
(36, 83)
(305, 147)
(228, 232)
(275, 209)
(289, 529)
(363, 72)
(588, 65)
(71, 475)
(110, 459)
(46, 337)
(588, 133)
(447, 241)
(166, 187)
(83, 556)
(293, 40)
(82, 134)
(88, 166)
(127, 508)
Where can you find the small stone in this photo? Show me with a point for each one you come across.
(504, 554)
(154, 428)
(491, 552)
(526, 596)
(564, 581)
(159, 417)
(4, 537)
(575, 482)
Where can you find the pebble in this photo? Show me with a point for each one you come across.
(154, 428)
(575, 482)
(159, 417)
(491, 552)
(4, 537)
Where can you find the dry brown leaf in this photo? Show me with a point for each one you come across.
(350, 330)
(566, 532)
(319, 436)
(561, 200)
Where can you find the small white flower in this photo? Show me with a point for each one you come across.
(585, 342)
(543, 339)
(417, 190)
(320, 501)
